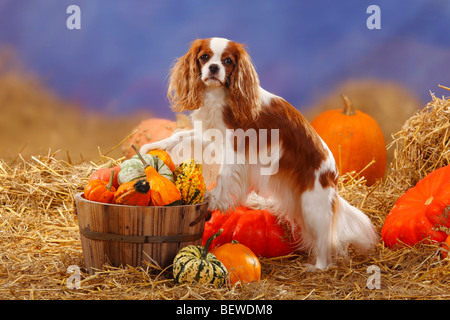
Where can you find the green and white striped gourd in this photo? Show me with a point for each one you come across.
(133, 168)
(194, 264)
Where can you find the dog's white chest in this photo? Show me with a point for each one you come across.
(210, 115)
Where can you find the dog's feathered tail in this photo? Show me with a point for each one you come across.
(352, 226)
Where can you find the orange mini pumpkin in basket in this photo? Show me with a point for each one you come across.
(100, 191)
(133, 193)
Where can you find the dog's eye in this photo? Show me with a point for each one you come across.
(204, 57)
(228, 62)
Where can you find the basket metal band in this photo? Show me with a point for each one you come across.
(94, 235)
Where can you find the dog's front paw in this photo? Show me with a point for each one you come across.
(147, 147)
(211, 199)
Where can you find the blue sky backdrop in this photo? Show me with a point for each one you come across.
(119, 60)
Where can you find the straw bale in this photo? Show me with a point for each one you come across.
(422, 145)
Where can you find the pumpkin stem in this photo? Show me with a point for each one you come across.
(208, 243)
(348, 106)
(140, 156)
(110, 182)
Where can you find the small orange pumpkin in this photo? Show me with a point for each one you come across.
(162, 191)
(100, 191)
(242, 264)
(133, 193)
(104, 174)
(354, 139)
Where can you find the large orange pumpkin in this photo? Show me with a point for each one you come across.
(257, 229)
(152, 130)
(355, 139)
(422, 212)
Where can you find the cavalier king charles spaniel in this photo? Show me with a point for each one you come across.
(217, 81)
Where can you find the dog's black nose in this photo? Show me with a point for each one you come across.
(214, 68)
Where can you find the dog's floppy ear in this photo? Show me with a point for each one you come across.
(185, 90)
(243, 96)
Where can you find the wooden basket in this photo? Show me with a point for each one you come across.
(120, 235)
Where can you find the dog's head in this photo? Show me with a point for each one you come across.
(215, 63)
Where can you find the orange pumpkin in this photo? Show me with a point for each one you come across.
(162, 191)
(104, 174)
(133, 193)
(152, 130)
(100, 191)
(259, 230)
(422, 212)
(242, 264)
(355, 139)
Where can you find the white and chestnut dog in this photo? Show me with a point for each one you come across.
(216, 79)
